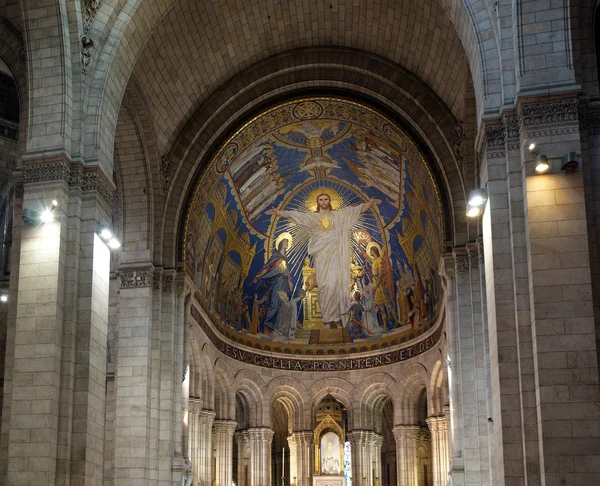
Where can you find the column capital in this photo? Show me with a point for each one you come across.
(301, 436)
(406, 431)
(206, 417)
(261, 434)
(224, 426)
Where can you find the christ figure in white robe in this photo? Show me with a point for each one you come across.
(329, 245)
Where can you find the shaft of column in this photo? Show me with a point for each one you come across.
(205, 446)
(223, 433)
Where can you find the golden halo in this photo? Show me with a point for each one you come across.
(372, 245)
(284, 236)
(311, 199)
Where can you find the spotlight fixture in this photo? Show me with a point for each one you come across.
(34, 217)
(108, 237)
(570, 162)
(542, 166)
(4, 298)
(114, 243)
(531, 147)
(477, 199)
(106, 233)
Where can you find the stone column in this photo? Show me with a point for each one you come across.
(260, 439)
(301, 464)
(204, 451)
(565, 367)
(223, 445)
(192, 434)
(244, 477)
(406, 437)
(362, 456)
(376, 443)
(439, 449)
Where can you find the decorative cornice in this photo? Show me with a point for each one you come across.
(319, 363)
(462, 262)
(512, 127)
(549, 112)
(494, 136)
(590, 123)
(553, 132)
(130, 279)
(73, 175)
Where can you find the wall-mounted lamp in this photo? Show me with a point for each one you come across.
(108, 237)
(4, 297)
(476, 202)
(35, 217)
(541, 166)
(570, 162)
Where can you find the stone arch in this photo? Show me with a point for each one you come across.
(136, 21)
(135, 180)
(201, 372)
(371, 396)
(439, 387)
(250, 385)
(431, 121)
(13, 54)
(587, 69)
(295, 398)
(224, 392)
(414, 380)
(342, 390)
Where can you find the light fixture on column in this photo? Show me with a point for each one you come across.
(476, 202)
(541, 166)
(35, 217)
(570, 162)
(108, 237)
(4, 297)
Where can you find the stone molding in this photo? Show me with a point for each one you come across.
(493, 143)
(590, 123)
(73, 175)
(146, 277)
(549, 112)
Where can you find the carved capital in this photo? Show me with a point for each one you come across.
(462, 262)
(130, 279)
(549, 112)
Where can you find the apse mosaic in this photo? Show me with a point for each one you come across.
(317, 228)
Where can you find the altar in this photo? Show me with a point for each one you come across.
(329, 481)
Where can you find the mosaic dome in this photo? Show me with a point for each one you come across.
(316, 230)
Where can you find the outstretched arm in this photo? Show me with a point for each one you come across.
(276, 212)
(370, 204)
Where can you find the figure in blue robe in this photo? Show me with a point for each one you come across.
(275, 277)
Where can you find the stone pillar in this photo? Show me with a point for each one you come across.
(223, 445)
(260, 439)
(439, 449)
(406, 437)
(376, 472)
(363, 456)
(204, 448)
(454, 367)
(55, 405)
(244, 477)
(301, 464)
(565, 366)
(192, 434)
